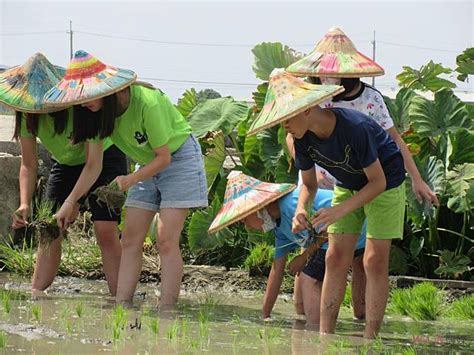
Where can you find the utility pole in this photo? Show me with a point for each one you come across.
(373, 58)
(71, 50)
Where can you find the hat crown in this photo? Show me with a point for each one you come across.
(335, 40)
(84, 65)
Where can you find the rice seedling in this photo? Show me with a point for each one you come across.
(21, 261)
(36, 311)
(420, 302)
(79, 309)
(6, 301)
(341, 346)
(155, 326)
(270, 334)
(260, 259)
(111, 196)
(184, 327)
(173, 330)
(119, 322)
(462, 308)
(3, 340)
(208, 302)
(45, 224)
(64, 312)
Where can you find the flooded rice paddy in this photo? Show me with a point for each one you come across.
(77, 317)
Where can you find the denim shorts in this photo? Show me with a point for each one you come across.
(316, 265)
(182, 184)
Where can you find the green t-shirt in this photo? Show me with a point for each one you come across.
(149, 122)
(59, 145)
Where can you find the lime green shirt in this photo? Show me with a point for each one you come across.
(149, 122)
(59, 145)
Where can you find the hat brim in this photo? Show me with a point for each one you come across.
(254, 130)
(253, 209)
(121, 80)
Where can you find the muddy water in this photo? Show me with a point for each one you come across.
(77, 317)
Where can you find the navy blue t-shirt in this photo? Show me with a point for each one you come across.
(356, 142)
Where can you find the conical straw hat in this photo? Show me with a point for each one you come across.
(288, 96)
(335, 56)
(86, 79)
(22, 87)
(245, 195)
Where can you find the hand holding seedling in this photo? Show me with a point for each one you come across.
(20, 217)
(124, 182)
(299, 222)
(66, 214)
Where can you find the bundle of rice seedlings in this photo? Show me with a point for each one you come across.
(111, 196)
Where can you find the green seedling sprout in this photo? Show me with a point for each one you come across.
(36, 311)
(155, 326)
(44, 223)
(3, 340)
(6, 298)
(80, 309)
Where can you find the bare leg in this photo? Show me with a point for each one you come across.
(376, 258)
(338, 259)
(47, 265)
(358, 287)
(108, 240)
(170, 225)
(311, 289)
(137, 222)
(298, 295)
(273, 286)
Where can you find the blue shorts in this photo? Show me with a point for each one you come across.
(182, 184)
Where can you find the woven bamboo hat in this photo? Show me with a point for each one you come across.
(86, 79)
(288, 96)
(335, 56)
(245, 195)
(23, 87)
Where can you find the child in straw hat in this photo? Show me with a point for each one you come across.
(170, 175)
(22, 88)
(270, 207)
(369, 169)
(336, 61)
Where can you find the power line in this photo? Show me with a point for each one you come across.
(418, 47)
(30, 33)
(231, 84)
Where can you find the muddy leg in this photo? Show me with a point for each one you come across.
(47, 264)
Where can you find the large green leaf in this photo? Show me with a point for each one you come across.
(187, 102)
(214, 158)
(426, 78)
(198, 238)
(259, 96)
(399, 109)
(460, 188)
(465, 64)
(271, 55)
(445, 114)
(222, 114)
(207, 94)
(272, 150)
(462, 147)
(432, 172)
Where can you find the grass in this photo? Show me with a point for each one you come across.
(6, 301)
(79, 309)
(347, 301)
(462, 308)
(260, 259)
(3, 340)
(119, 322)
(20, 260)
(421, 302)
(37, 312)
(173, 330)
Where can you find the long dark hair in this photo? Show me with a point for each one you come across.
(32, 122)
(88, 124)
(348, 83)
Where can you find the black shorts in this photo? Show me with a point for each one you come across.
(316, 265)
(62, 179)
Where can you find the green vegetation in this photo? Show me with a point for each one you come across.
(260, 259)
(36, 311)
(421, 302)
(462, 308)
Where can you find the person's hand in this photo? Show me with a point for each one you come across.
(20, 216)
(124, 182)
(325, 217)
(423, 192)
(66, 214)
(297, 264)
(299, 222)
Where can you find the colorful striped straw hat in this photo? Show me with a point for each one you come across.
(22, 87)
(245, 195)
(86, 79)
(288, 96)
(335, 56)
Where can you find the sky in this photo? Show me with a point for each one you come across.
(177, 45)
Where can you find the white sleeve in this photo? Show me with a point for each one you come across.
(381, 114)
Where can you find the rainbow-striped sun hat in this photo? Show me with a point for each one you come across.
(86, 79)
(22, 87)
(335, 56)
(245, 195)
(288, 96)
